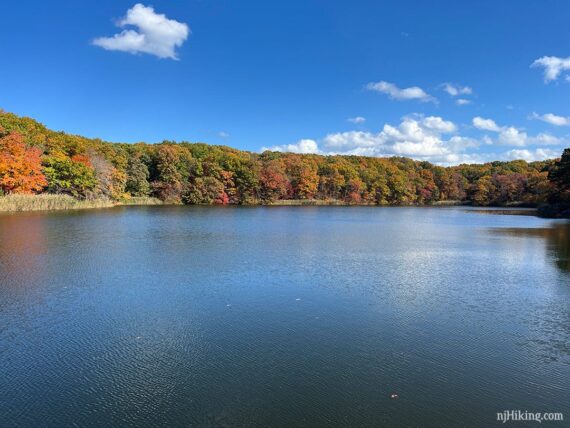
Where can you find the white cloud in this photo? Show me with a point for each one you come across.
(155, 34)
(302, 146)
(357, 119)
(223, 134)
(462, 102)
(552, 119)
(438, 124)
(417, 137)
(511, 136)
(455, 90)
(485, 124)
(547, 140)
(400, 94)
(532, 155)
(433, 139)
(351, 140)
(553, 66)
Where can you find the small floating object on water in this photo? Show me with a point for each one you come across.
(139, 337)
(228, 305)
(394, 396)
(297, 299)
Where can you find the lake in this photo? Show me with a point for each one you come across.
(282, 316)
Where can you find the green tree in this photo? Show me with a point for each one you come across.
(560, 177)
(206, 190)
(66, 176)
(137, 177)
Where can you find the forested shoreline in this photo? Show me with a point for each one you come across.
(36, 160)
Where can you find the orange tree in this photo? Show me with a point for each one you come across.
(20, 165)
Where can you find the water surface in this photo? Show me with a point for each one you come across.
(282, 316)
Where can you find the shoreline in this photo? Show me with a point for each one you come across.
(52, 202)
(47, 202)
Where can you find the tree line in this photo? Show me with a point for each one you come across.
(34, 159)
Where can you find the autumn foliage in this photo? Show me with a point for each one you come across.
(36, 159)
(20, 165)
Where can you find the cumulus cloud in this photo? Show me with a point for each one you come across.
(154, 34)
(553, 119)
(455, 90)
(433, 139)
(508, 135)
(302, 146)
(511, 136)
(417, 137)
(548, 140)
(485, 124)
(400, 94)
(553, 67)
(462, 102)
(438, 124)
(532, 155)
(357, 119)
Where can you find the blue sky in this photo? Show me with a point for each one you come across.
(290, 75)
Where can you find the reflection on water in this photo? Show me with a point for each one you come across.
(25, 242)
(556, 238)
(503, 211)
(281, 316)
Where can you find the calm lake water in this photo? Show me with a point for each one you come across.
(282, 316)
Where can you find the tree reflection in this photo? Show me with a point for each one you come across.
(556, 238)
(23, 245)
